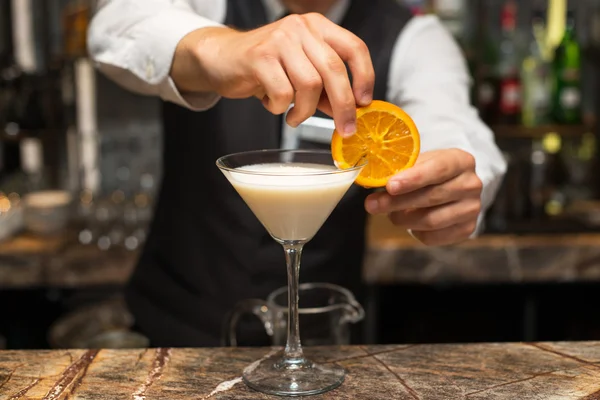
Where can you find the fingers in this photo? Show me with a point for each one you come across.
(336, 83)
(438, 199)
(432, 171)
(324, 104)
(335, 78)
(304, 78)
(450, 235)
(463, 186)
(356, 53)
(437, 218)
(279, 92)
(311, 51)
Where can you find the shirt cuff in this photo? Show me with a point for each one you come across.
(480, 225)
(152, 56)
(194, 101)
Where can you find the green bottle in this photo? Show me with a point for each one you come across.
(566, 99)
(535, 78)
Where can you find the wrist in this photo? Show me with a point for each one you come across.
(193, 68)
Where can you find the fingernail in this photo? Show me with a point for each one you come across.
(394, 187)
(366, 98)
(349, 129)
(372, 205)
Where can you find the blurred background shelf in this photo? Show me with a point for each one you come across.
(64, 126)
(539, 132)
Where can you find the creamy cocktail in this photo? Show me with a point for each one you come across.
(291, 192)
(291, 200)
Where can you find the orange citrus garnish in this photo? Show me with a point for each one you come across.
(386, 137)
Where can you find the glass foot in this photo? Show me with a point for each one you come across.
(300, 378)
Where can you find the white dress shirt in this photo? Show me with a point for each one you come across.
(133, 42)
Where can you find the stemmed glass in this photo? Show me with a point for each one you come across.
(292, 193)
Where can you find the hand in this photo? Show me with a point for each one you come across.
(438, 198)
(298, 59)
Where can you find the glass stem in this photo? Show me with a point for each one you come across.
(293, 349)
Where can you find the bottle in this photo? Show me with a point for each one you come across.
(6, 51)
(76, 18)
(418, 7)
(509, 111)
(535, 78)
(9, 151)
(32, 164)
(556, 176)
(452, 14)
(566, 69)
(9, 129)
(486, 92)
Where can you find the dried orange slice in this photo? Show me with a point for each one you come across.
(385, 136)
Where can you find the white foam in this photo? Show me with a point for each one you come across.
(289, 175)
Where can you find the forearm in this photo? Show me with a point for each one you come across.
(133, 42)
(465, 131)
(430, 80)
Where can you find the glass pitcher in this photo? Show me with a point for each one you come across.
(326, 310)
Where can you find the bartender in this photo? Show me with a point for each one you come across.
(228, 71)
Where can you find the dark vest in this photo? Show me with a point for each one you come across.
(206, 250)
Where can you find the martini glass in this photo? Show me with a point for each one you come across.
(292, 193)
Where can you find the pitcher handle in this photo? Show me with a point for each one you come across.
(354, 312)
(251, 306)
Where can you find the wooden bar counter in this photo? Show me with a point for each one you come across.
(512, 371)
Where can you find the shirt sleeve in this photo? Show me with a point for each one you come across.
(133, 43)
(429, 79)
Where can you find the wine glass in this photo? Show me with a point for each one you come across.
(292, 193)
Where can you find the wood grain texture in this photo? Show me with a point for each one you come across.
(413, 372)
